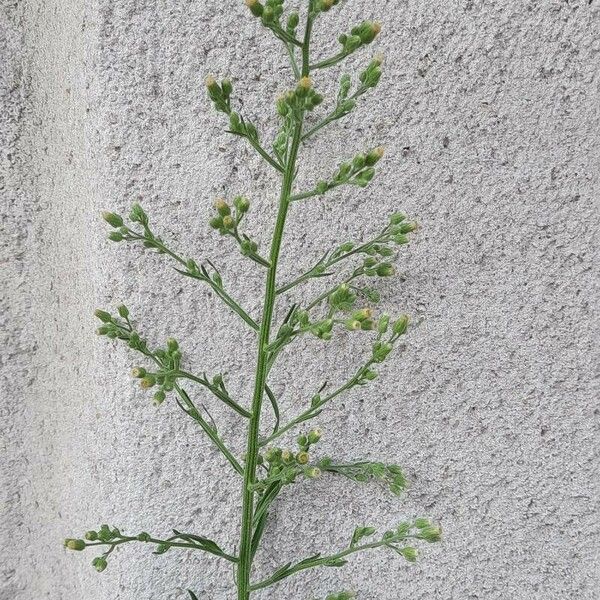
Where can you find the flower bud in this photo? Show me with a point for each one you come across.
(370, 375)
(241, 204)
(143, 537)
(431, 534)
(293, 21)
(226, 87)
(172, 345)
(410, 554)
(115, 236)
(113, 219)
(375, 155)
(408, 227)
(99, 564)
(216, 223)
(123, 311)
(104, 316)
(313, 472)
(385, 270)
(228, 222)
(363, 314)
(212, 85)
(234, 121)
(422, 523)
(138, 372)
(397, 218)
(91, 536)
(304, 86)
(159, 397)
(147, 382)
(352, 325)
(256, 8)
(401, 325)
(314, 436)
(287, 456)
(302, 441)
(75, 544)
(302, 457)
(222, 207)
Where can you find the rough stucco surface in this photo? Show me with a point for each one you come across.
(490, 115)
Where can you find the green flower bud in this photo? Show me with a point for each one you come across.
(172, 345)
(256, 8)
(75, 544)
(226, 87)
(113, 219)
(268, 15)
(138, 372)
(104, 316)
(287, 456)
(302, 457)
(383, 324)
(272, 455)
(431, 534)
(241, 204)
(370, 375)
(222, 207)
(397, 218)
(367, 325)
(147, 382)
(91, 536)
(216, 223)
(385, 270)
(143, 537)
(401, 239)
(381, 351)
(115, 236)
(159, 397)
(359, 162)
(422, 523)
(228, 222)
(352, 325)
(293, 22)
(212, 86)
(363, 314)
(103, 330)
(304, 85)
(123, 311)
(375, 155)
(410, 554)
(99, 564)
(408, 227)
(401, 325)
(352, 43)
(314, 435)
(313, 472)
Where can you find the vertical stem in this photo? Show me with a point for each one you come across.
(245, 556)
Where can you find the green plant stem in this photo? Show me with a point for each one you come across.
(256, 145)
(313, 411)
(220, 292)
(318, 562)
(190, 409)
(245, 558)
(169, 542)
(216, 391)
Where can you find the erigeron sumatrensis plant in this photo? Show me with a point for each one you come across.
(267, 468)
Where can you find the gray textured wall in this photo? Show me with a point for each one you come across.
(490, 114)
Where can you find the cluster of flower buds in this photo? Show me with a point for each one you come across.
(359, 171)
(361, 320)
(381, 349)
(269, 12)
(343, 298)
(369, 78)
(284, 465)
(360, 35)
(304, 97)
(226, 220)
(170, 358)
(220, 94)
(391, 476)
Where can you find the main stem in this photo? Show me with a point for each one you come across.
(245, 556)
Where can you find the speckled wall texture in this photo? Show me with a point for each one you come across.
(490, 113)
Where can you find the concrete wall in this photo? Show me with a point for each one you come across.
(490, 115)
